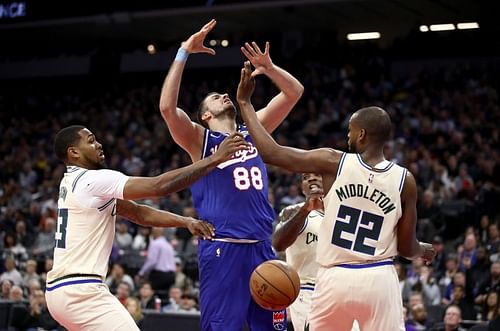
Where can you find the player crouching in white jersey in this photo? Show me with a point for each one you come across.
(90, 197)
(297, 234)
(370, 217)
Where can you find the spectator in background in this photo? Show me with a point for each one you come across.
(419, 319)
(451, 321)
(16, 294)
(439, 264)
(160, 262)
(147, 296)
(6, 287)
(491, 306)
(430, 289)
(465, 304)
(117, 276)
(11, 273)
(30, 273)
(188, 304)
(174, 299)
(451, 270)
(35, 317)
(493, 244)
(24, 238)
(122, 237)
(492, 284)
(14, 249)
(181, 280)
(44, 242)
(123, 292)
(468, 256)
(141, 239)
(134, 308)
(479, 274)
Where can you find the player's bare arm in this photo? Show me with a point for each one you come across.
(322, 161)
(186, 133)
(148, 216)
(291, 89)
(293, 219)
(408, 245)
(179, 179)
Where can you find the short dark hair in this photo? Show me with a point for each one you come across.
(69, 136)
(202, 109)
(376, 122)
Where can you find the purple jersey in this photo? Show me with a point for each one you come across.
(233, 197)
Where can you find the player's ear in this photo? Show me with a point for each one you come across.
(73, 152)
(206, 116)
(362, 134)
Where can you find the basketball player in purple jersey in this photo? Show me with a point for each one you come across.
(234, 197)
(370, 217)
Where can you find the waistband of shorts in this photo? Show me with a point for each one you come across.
(307, 286)
(237, 241)
(73, 279)
(365, 265)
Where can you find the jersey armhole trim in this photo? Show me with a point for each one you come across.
(77, 179)
(341, 163)
(306, 221)
(106, 204)
(403, 176)
(205, 142)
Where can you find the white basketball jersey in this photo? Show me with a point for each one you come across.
(362, 210)
(85, 235)
(301, 255)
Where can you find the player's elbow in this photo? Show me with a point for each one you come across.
(299, 90)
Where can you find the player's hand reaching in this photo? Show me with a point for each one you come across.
(194, 44)
(246, 85)
(428, 252)
(315, 199)
(233, 143)
(261, 61)
(201, 228)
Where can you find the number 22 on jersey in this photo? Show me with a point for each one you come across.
(349, 220)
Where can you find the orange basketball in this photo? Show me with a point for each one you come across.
(274, 285)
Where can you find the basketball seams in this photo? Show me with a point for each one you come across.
(285, 271)
(274, 287)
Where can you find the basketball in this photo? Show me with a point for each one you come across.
(274, 285)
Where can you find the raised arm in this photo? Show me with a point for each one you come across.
(186, 133)
(321, 161)
(408, 245)
(291, 89)
(148, 216)
(179, 179)
(292, 220)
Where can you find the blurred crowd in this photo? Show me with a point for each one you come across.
(445, 132)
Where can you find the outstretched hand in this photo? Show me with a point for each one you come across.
(428, 252)
(233, 143)
(246, 85)
(194, 44)
(261, 61)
